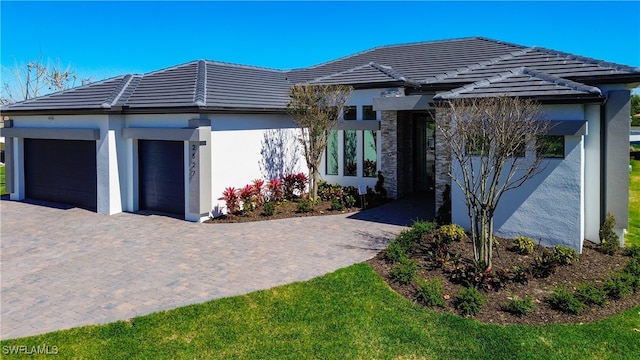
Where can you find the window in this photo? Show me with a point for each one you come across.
(370, 153)
(477, 145)
(350, 153)
(332, 153)
(350, 112)
(550, 146)
(368, 113)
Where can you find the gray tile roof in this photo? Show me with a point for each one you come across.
(489, 66)
(522, 82)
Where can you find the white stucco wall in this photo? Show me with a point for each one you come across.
(549, 207)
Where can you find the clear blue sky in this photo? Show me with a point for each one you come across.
(104, 39)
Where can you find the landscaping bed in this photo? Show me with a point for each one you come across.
(592, 265)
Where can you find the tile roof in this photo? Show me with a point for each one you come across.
(522, 82)
(489, 66)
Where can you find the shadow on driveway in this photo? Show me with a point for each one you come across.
(402, 212)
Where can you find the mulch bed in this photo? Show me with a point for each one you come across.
(283, 210)
(592, 265)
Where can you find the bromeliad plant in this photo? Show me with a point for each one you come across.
(275, 190)
(258, 193)
(247, 195)
(231, 199)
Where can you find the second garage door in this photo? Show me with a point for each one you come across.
(161, 176)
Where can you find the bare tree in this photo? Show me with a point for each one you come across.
(492, 143)
(35, 78)
(316, 110)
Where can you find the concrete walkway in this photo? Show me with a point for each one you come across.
(68, 267)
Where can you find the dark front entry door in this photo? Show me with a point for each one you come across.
(161, 176)
(424, 154)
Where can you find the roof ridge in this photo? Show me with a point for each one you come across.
(587, 60)
(389, 46)
(200, 95)
(476, 66)
(519, 71)
(225, 63)
(384, 69)
(117, 92)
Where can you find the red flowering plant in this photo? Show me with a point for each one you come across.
(231, 199)
(275, 190)
(258, 193)
(248, 198)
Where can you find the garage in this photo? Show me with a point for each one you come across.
(161, 176)
(62, 171)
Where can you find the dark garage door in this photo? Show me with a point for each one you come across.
(62, 171)
(161, 176)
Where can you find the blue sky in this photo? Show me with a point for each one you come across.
(104, 39)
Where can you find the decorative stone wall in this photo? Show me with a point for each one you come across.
(443, 165)
(389, 152)
(405, 153)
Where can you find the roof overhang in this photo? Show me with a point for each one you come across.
(397, 103)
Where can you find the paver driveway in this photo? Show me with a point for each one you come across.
(63, 268)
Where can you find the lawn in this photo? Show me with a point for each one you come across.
(349, 314)
(3, 189)
(633, 236)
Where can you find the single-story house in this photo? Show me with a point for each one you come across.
(173, 139)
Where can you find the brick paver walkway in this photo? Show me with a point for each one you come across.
(62, 268)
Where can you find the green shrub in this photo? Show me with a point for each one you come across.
(304, 206)
(409, 238)
(469, 301)
(349, 201)
(449, 233)
(619, 285)
(590, 294)
(564, 254)
(633, 267)
(523, 245)
(609, 240)
(633, 251)
(519, 307)
(520, 274)
(248, 206)
(430, 292)
(544, 265)
(269, 208)
(395, 251)
(337, 205)
(563, 300)
(404, 271)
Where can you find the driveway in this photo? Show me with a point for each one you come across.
(68, 267)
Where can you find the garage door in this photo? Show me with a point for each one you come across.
(62, 171)
(161, 176)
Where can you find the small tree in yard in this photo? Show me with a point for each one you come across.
(487, 139)
(316, 110)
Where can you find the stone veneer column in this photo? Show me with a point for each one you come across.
(389, 152)
(443, 164)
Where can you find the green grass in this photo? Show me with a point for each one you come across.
(633, 236)
(3, 189)
(349, 314)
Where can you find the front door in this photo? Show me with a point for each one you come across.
(424, 152)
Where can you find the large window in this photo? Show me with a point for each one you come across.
(350, 113)
(350, 153)
(332, 153)
(368, 113)
(370, 153)
(550, 146)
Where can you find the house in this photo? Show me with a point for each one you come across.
(173, 139)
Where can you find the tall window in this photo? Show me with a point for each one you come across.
(370, 153)
(350, 153)
(550, 146)
(368, 113)
(350, 112)
(332, 153)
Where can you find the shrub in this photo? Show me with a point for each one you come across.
(349, 201)
(544, 265)
(275, 190)
(404, 271)
(479, 276)
(300, 183)
(563, 300)
(269, 208)
(520, 274)
(633, 267)
(633, 251)
(231, 199)
(337, 205)
(590, 294)
(304, 206)
(380, 185)
(609, 240)
(247, 196)
(619, 285)
(449, 233)
(469, 301)
(395, 251)
(564, 255)
(422, 228)
(289, 186)
(523, 245)
(430, 292)
(519, 307)
(257, 191)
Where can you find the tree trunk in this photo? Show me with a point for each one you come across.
(314, 184)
